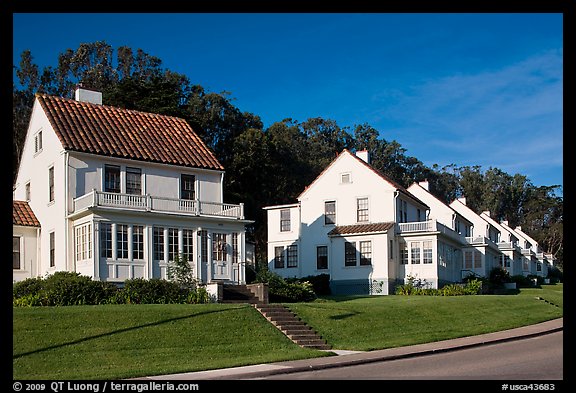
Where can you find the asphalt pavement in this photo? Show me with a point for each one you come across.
(349, 358)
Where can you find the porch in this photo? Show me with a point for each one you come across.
(151, 203)
(428, 226)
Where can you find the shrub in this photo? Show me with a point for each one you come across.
(320, 283)
(286, 290)
(522, 281)
(180, 271)
(498, 276)
(62, 289)
(152, 291)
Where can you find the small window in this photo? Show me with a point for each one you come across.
(134, 181)
(121, 241)
(477, 259)
(187, 187)
(321, 257)
(403, 254)
(112, 178)
(27, 187)
(51, 184)
(538, 267)
(172, 243)
(52, 249)
(415, 253)
(278, 257)
(345, 178)
(16, 264)
(362, 209)
(292, 257)
(105, 240)
(138, 242)
(330, 212)
(38, 142)
(365, 253)
(350, 254)
(285, 220)
(188, 244)
(427, 245)
(467, 259)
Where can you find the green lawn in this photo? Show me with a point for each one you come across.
(123, 341)
(369, 323)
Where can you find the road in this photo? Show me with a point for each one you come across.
(533, 359)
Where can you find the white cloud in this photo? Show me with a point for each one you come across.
(506, 118)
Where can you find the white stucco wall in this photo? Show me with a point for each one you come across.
(34, 168)
(28, 252)
(87, 173)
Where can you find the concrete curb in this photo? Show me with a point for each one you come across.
(293, 366)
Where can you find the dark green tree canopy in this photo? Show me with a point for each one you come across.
(273, 166)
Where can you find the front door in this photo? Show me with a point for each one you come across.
(220, 263)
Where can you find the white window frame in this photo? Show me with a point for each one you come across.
(38, 142)
(20, 252)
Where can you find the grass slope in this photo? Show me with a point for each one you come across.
(125, 341)
(369, 323)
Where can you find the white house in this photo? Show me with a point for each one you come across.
(363, 229)
(119, 193)
(512, 258)
(480, 255)
(531, 249)
(25, 235)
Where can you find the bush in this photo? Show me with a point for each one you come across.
(152, 291)
(285, 290)
(320, 284)
(522, 281)
(498, 276)
(69, 289)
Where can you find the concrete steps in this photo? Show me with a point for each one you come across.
(292, 326)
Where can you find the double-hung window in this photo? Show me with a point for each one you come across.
(415, 252)
(321, 257)
(362, 210)
(112, 178)
(278, 257)
(330, 212)
(292, 256)
(16, 265)
(427, 251)
(134, 181)
(350, 254)
(365, 253)
(285, 220)
(51, 184)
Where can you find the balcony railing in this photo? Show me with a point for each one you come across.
(428, 226)
(157, 204)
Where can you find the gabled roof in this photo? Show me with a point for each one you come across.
(415, 184)
(23, 215)
(501, 227)
(124, 133)
(397, 186)
(361, 228)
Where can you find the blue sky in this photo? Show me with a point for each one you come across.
(466, 89)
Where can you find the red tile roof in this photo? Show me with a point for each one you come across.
(361, 228)
(125, 133)
(22, 214)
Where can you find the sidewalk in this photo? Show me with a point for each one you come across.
(348, 358)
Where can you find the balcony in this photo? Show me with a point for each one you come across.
(148, 203)
(428, 226)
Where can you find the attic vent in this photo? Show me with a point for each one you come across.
(345, 178)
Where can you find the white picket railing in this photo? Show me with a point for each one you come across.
(158, 204)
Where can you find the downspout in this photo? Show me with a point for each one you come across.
(66, 208)
(396, 193)
(38, 250)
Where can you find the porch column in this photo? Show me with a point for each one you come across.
(149, 251)
(96, 249)
(209, 256)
